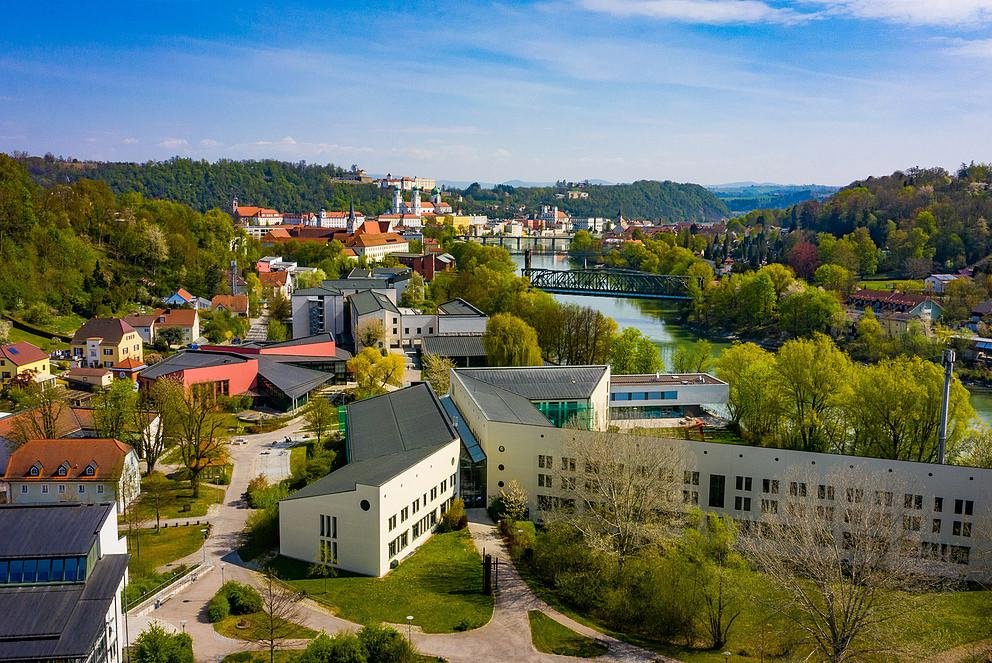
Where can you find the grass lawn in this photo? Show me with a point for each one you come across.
(43, 342)
(282, 656)
(178, 502)
(297, 460)
(903, 285)
(150, 551)
(940, 622)
(257, 628)
(440, 585)
(551, 637)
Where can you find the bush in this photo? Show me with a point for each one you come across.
(341, 648)
(157, 646)
(385, 645)
(219, 607)
(522, 537)
(243, 599)
(261, 532)
(261, 495)
(454, 518)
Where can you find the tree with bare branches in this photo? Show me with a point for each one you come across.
(619, 491)
(193, 420)
(45, 406)
(840, 552)
(280, 613)
(149, 426)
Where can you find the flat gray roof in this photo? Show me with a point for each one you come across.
(665, 379)
(454, 345)
(50, 530)
(541, 383)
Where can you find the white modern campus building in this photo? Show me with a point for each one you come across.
(506, 424)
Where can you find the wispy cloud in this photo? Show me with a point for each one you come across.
(210, 142)
(710, 12)
(173, 142)
(912, 12)
(130, 140)
(439, 130)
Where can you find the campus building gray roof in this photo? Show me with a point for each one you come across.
(358, 284)
(541, 383)
(294, 381)
(386, 435)
(189, 359)
(499, 404)
(322, 291)
(369, 301)
(458, 306)
(454, 345)
(46, 530)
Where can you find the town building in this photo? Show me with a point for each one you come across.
(24, 359)
(427, 264)
(407, 183)
(184, 298)
(457, 316)
(88, 379)
(371, 307)
(401, 476)
(895, 310)
(63, 568)
(322, 309)
(104, 342)
(255, 220)
(376, 247)
(594, 225)
(635, 398)
(236, 305)
(937, 283)
(85, 470)
(151, 325)
(465, 350)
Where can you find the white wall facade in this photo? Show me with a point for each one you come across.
(685, 392)
(81, 492)
(363, 537)
(415, 327)
(461, 324)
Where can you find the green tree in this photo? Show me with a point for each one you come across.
(373, 371)
(714, 568)
(321, 417)
(757, 300)
(413, 295)
(277, 330)
(154, 491)
(340, 648)
(695, 358)
(509, 341)
(279, 307)
(633, 353)
(385, 645)
(370, 334)
(781, 275)
(113, 410)
(756, 403)
(835, 278)
(870, 340)
(437, 372)
(810, 311)
(155, 645)
(194, 423)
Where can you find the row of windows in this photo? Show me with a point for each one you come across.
(57, 569)
(329, 526)
(645, 396)
(328, 552)
(404, 513)
(399, 544)
(425, 524)
(81, 488)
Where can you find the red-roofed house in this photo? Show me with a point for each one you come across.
(277, 282)
(235, 304)
(255, 220)
(83, 470)
(23, 357)
(103, 342)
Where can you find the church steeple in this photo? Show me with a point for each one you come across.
(351, 216)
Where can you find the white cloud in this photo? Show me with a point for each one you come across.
(210, 142)
(287, 140)
(130, 141)
(173, 142)
(976, 48)
(913, 12)
(712, 12)
(501, 153)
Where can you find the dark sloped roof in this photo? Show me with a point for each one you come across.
(58, 621)
(303, 340)
(111, 330)
(469, 441)
(454, 345)
(541, 383)
(293, 381)
(357, 284)
(322, 291)
(369, 301)
(189, 359)
(458, 306)
(501, 405)
(386, 435)
(40, 530)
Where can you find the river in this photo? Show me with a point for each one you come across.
(660, 321)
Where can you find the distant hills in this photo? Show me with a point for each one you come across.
(742, 197)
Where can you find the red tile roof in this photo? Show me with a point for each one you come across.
(176, 317)
(235, 303)
(273, 279)
(22, 353)
(106, 456)
(129, 364)
(245, 211)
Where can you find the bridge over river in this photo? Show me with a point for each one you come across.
(605, 282)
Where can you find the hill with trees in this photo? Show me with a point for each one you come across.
(645, 199)
(202, 185)
(77, 248)
(744, 197)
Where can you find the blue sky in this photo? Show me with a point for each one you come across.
(706, 91)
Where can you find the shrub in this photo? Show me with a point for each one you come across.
(341, 648)
(219, 607)
(522, 539)
(156, 646)
(261, 532)
(243, 599)
(455, 517)
(261, 495)
(385, 645)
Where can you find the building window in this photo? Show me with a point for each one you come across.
(742, 503)
(99, 488)
(964, 506)
(769, 486)
(392, 523)
(691, 478)
(912, 501)
(416, 505)
(825, 492)
(936, 525)
(107, 352)
(911, 523)
(404, 514)
(690, 497)
(545, 462)
(938, 504)
(444, 485)
(433, 494)
(743, 483)
(961, 528)
(544, 480)
(797, 489)
(568, 464)
(717, 489)
(855, 495)
(24, 489)
(44, 489)
(769, 506)
(61, 488)
(82, 489)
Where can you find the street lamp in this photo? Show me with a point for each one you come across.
(183, 624)
(409, 628)
(204, 533)
(727, 654)
(222, 573)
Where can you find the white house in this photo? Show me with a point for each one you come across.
(401, 476)
(937, 283)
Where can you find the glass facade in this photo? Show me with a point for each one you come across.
(573, 414)
(42, 570)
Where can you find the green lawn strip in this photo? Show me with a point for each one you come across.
(440, 585)
(44, 342)
(257, 623)
(942, 621)
(282, 656)
(150, 550)
(178, 502)
(297, 460)
(551, 637)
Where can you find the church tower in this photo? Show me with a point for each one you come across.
(436, 196)
(351, 217)
(397, 200)
(234, 206)
(416, 200)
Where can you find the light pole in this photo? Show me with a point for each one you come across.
(222, 573)
(409, 628)
(204, 533)
(183, 624)
(727, 654)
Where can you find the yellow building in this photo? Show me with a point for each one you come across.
(20, 358)
(105, 342)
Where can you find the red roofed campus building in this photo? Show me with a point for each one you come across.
(281, 375)
(255, 220)
(83, 470)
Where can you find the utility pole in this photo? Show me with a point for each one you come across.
(947, 358)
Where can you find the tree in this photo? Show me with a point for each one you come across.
(835, 278)
(155, 645)
(373, 371)
(811, 310)
(437, 372)
(756, 404)
(279, 614)
(155, 490)
(695, 358)
(370, 334)
(634, 353)
(276, 330)
(321, 417)
(194, 423)
(782, 277)
(113, 410)
(279, 307)
(46, 406)
(623, 497)
(385, 645)
(413, 295)
(5, 327)
(513, 499)
(757, 299)
(149, 427)
(321, 570)
(340, 648)
(509, 341)
(840, 566)
(708, 550)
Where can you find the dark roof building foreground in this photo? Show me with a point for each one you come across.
(111, 330)
(544, 383)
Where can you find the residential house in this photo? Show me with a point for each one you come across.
(63, 568)
(427, 264)
(151, 325)
(85, 470)
(24, 358)
(234, 304)
(895, 310)
(401, 477)
(104, 342)
(937, 283)
(88, 379)
(183, 297)
(277, 282)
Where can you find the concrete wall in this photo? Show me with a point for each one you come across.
(461, 324)
(426, 324)
(686, 394)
